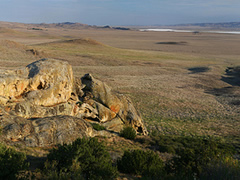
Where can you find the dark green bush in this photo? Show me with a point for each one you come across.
(194, 154)
(222, 169)
(167, 143)
(51, 172)
(140, 162)
(128, 132)
(191, 154)
(90, 156)
(11, 162)
(172, 144)
(98, 127)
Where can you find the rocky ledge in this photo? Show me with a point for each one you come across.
(43, 104)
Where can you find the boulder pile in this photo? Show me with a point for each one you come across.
(43, 104)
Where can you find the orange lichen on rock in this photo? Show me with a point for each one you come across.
(115, 108)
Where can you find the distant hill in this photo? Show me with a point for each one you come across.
(71, 25)
(65, 25)
(223, 25)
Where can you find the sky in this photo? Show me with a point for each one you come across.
(120, 12)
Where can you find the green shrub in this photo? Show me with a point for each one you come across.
(192, 156)
(222, 169)
(98, 127)
(51, 172)
(167, 143)
(128, 132)
(90, 156)
(11, 162)
(172, 144)
(140, 162)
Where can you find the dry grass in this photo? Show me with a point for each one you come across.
(160, 78)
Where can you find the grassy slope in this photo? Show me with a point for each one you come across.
(171, 98)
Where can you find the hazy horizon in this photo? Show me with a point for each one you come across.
(120, 12)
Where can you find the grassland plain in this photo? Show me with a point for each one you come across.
(179, 88)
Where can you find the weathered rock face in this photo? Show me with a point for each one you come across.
(60, 105)
(44, 83)
(38, 89)
(112, 106)
(46, 131)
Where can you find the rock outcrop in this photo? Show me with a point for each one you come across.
(46, 131)
(44, 105)
(44, 82)
(111, 106)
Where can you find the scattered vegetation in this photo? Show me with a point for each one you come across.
(192, 155)
(173, 144)
(52, 172)
(179, 107)
(38, 29)
(139, 162)
(128, 132)
(98, 127)
(11, 162)
(224, 168)
(86, 157)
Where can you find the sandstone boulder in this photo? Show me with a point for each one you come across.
(112, 105)
(41, 89)
(44, 132)
(29, 110)
(43, 104)
(46, 82)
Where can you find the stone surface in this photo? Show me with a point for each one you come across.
(87, 111)
(41, 89)
(45, 83)
(28, 110)
(111, 104)
(43, 132)
(43, 104)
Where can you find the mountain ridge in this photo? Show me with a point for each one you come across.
(220, 24)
